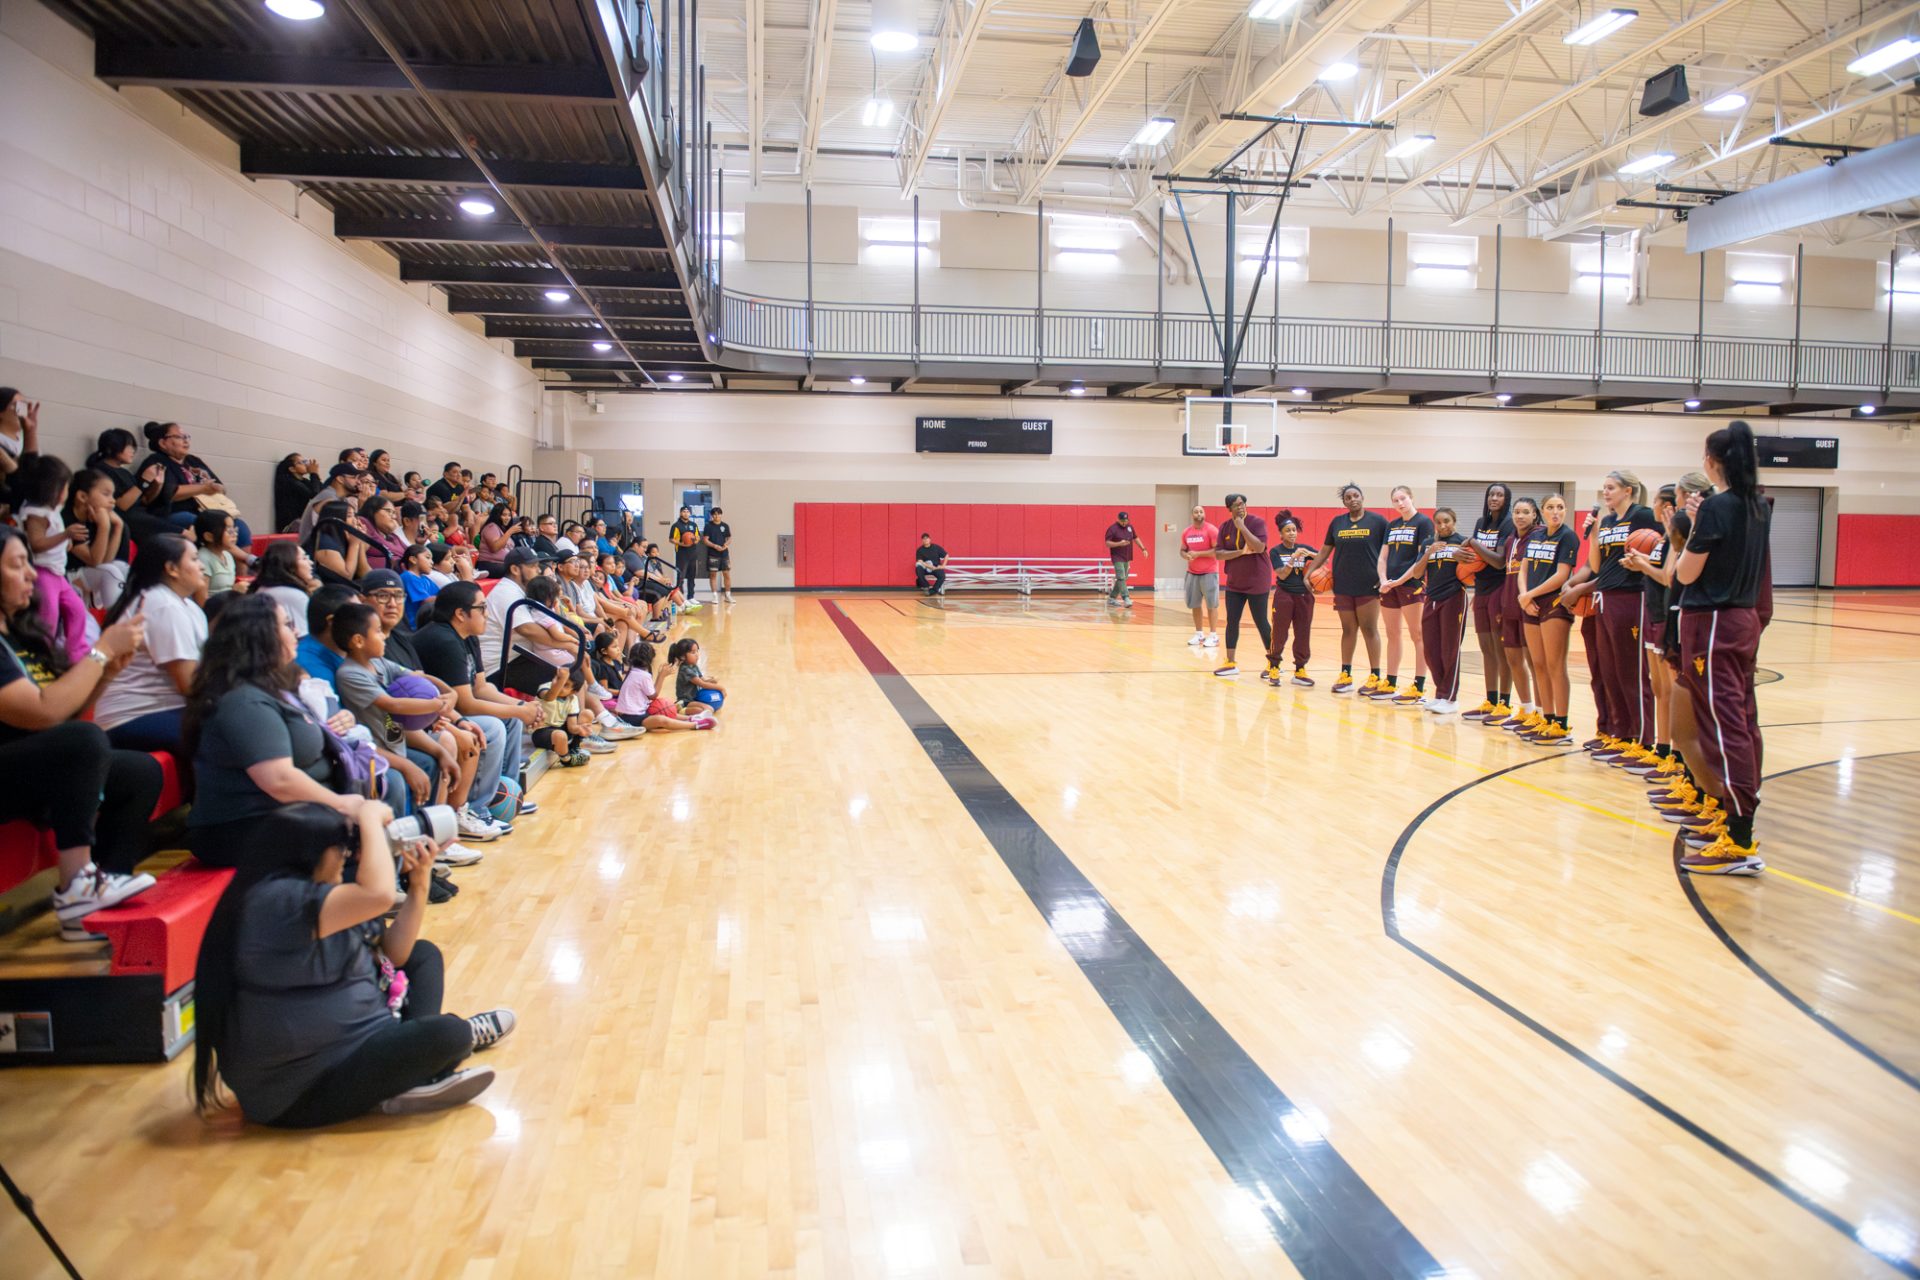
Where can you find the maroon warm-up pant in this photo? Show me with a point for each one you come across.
(1717, 651)
(1596, 675)
(1623, 657)
(1443, 627)
(1292, 610)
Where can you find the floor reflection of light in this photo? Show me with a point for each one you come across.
(1614, 1043)
(612, 867)
(1875, 876)
(893, 924)
(856, 807)
(1843, 775)
(1078, 921)
(873, 1084)
(1255, 902)
(908, 1249)
(1304, 1124)
(1814, 1171)
(1137, 1069)
(566, 965)
(886, 1155)
(723, 935)
(1891, 1240)
(1245, 1216)
(1387, 1049)
(680, 808)
(1554, 1184)
(1069, 798)
(506, 1124)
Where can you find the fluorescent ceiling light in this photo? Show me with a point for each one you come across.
(298, 10)
(1268, 10)
(877, 114)
(475, 207)
(1153, 132)
(603, 346)
(676, 377)
(895, 41)
(1410, 146)
(1442, 266)
(1647, 164)
(557, 295)
(1078, 389)
(1887, 55)
(857, 380)
(1337, 72)
(895, 27)
(1757, 284)
(1725, 103)
(1601, 26)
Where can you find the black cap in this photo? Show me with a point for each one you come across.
(523, 555)
(342, 469)
(379, 580)
(1121, 516)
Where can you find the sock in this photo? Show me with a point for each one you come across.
(1376, 672)
(1493, 697)
(1662, 749)
(1420, 682)
(1390, 679)
(1346, 668)
(1740, 830)
(1501, 701)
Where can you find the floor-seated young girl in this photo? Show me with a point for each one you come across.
(696, 693)
(639, 702)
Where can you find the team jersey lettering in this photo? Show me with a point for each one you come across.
(1357, 531)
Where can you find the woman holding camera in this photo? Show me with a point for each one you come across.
(339, 1013)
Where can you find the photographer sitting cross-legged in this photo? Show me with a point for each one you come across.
(309, 1007)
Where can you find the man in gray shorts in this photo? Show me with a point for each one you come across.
(1197, 542)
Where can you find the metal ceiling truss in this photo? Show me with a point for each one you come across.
(819, 67)
(960, 27)
(190, 69)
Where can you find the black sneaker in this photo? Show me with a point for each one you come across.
(490, 1028)
(448, 1091)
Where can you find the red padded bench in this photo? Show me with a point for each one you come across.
(159, 931)
(26, 850)
(261, 541)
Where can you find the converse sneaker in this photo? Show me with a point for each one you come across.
(91, 890)
(449, 1090)
(490, 1028)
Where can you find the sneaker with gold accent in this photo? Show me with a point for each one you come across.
(1532, 722)
(1724, 858)
(1377, 687)
(1409, 696)
(1711, 833)
(1497, 716)
(1301, 678)
(1480, 712)
(1554, 735)
(1345, 683)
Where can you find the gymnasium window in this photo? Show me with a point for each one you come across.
(1288, 261)
(1759, 278)
(1617, 272)
(892, 241)
(1087, 245)
(1443, 262)
(723, 236)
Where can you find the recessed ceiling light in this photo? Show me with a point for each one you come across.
(1601, 26)
(558, 295)
(1300, 391)
(1887, 55)
(475, 207)
(676, 377)
(857, 380)
(603, 346)
(1153, 132)
(1503, 396)
(1338, 71)
(895, 27)
(1268, 10)
(1410, 146)
(1647, 164)
(1725, 103)
(1693, 404)
(1867, 409)
(298, 10)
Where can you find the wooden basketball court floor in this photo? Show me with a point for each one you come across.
(999, 939)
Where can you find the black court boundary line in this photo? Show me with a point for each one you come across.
(1761, 972)
(1720, 1146)
(1332, 1225)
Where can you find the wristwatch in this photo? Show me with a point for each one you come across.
(100, 658)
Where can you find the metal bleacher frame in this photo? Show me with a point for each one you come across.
(1028, 574)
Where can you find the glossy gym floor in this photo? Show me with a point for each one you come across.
(999, 939)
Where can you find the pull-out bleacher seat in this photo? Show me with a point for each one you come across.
(159, 931)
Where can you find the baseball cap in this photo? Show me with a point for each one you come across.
(342, 469)
(1121, 516)
(379, 580)
(523, 555)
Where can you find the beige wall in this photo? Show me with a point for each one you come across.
(141, 278)
(771, 451)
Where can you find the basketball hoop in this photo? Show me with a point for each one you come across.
(1236, 455)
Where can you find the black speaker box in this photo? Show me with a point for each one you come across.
(1665, 91)
(1086, 50)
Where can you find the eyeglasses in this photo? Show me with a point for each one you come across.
(387, 595)
(181, 436)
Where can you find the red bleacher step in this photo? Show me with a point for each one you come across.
(159, 931)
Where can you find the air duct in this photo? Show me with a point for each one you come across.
(1868, 180)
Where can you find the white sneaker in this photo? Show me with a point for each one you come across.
(1213, 641)
(491, 1027)
(1441, 707)
(458, 855)
(1199, 637)
(471, 826)
(93, 890)
(729, 597)
(620, 731)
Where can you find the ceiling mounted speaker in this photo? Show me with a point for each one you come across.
(1665, 91)
(1086, 50)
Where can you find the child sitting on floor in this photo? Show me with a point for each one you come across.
(639, 702)
(562, 732)
(696, 693)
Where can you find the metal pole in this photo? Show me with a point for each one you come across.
(1600, 333)
(1799, 260)
(720, 248)
(1039, 286)
(1160, 293)
(1493, 339)
(809, 313)
(1386, 343)
(680, 121)
(701, 140)
(1886, 352)
(916, 282)
(1228, 302)
(1700, 331)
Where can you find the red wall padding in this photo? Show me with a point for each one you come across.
(870, 544)
(1877, 551)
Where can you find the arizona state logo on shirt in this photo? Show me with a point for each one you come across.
(1699, 666)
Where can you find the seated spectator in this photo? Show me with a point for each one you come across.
(692, 688)
(139, 500)
(562, 731)
(494, 541)
(639, 702)
(343, 483)
(541, 645)
(451, 564)
(414, 487)
(380, 467)
(520, 567)
(546, 538)
(189, 483)
(354, 456)
(384, 590)
(573, 538)
(602, 543)
(380, 521)
(296, 483)
(19, 432)
(413, 523)
(449, 488)
(416, 580)
(216, 537)
(654, 583)
(254, 746)
(336, 547)
(283, 573)
(316, 654)
(61, 772)
(141, 709)
(43, 490)
(449, 649)
(311, 1008)
(97, 560)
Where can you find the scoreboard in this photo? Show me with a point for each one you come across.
(983, 435)
(1814, 452)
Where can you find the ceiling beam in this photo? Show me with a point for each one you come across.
(451, 231)
(819, 64)
(961, 25)
(534, 308)
(569, 364)
(373, 169)
(1629, 402)
(533, 329)
(525, 348)
(540, 277)
(187, 69)
(756, 87)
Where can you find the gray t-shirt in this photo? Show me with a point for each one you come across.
(360, 687)
(302, 1004)
(248, 726)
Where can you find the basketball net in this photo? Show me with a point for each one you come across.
(1236, 455)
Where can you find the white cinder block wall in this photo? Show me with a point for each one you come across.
(141, 279)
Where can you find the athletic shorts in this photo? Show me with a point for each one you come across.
(1555, 612)
(1656, 635)
(1351, 604)
(1203, 588)
(544, 736)
(1414, 592)
(1486, 608)
(1512, 629)
(719, 561)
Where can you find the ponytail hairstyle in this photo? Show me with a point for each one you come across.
(1284, 517)
(1533, 507)
(153, 431)
(1631, 482)
(1694, 482)
(113, 442)
(149, 569)
(1488, 520)
(1668, 494)
(677, 654)
(1733, 448)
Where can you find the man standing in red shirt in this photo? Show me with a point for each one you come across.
(1197, 542)
(1121, 539)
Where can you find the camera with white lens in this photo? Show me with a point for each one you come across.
(435, 822)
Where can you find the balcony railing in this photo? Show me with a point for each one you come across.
(1286, 345)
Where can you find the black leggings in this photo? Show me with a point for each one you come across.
(421, 1047)
(1257, 603)
(69, 779)
(683, 564)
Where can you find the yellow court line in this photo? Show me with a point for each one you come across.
(1895, 912)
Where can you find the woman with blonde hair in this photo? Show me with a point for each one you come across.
(1656, 567)
(1621, 607)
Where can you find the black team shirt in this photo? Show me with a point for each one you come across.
(1294, 583)
(1613, 533)
(1356, 552)
(1544, 553)
(1443, 571)
(1490, 538)
(1734, 539)
(1407, 541)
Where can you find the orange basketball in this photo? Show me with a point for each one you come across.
(1322, 578)
(1644, 541)
(1580, 606)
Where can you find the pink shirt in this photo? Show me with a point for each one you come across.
(636, 693)
(1205, 538)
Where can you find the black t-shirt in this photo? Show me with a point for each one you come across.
(685, 535)
(1734, 540)
(1657, 591)
(441, 491)
(933, 553)
(1612, 534)
(402, 650)
(387, 482)
(23, 660)
(1545, 552)
(446, 656)
(1490, 538)
(1443, 571)
(1294, 583)
(191, 470)
(719, 533)
(1406, 542)
(1356, 552)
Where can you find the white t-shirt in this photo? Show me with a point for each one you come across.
(499, 600)
(54, 558)
(294, 601)
(176, 630)
(441, 579)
